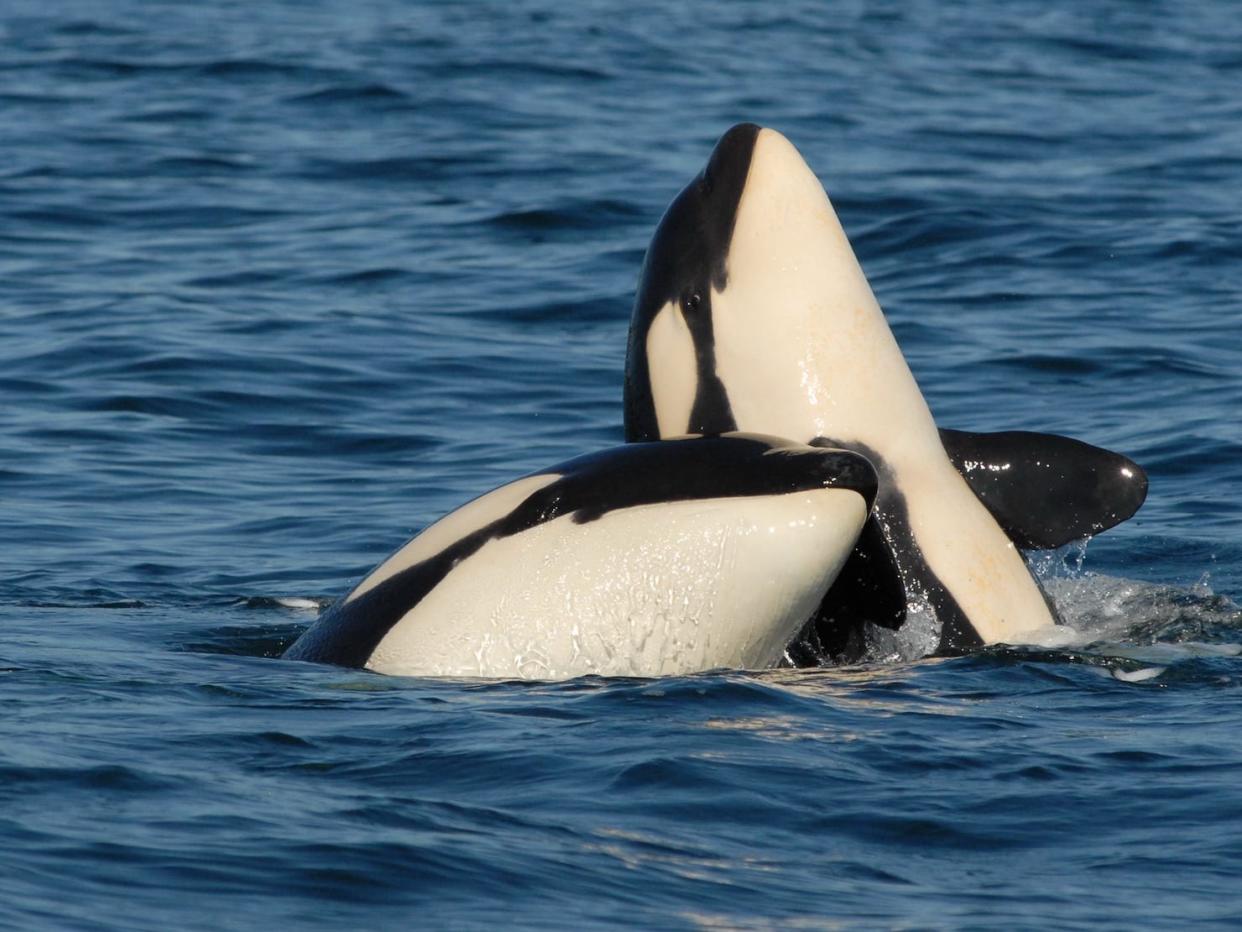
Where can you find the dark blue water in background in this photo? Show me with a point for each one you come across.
(282, 282)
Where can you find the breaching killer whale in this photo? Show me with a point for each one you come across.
(753, 314)
(644, 560)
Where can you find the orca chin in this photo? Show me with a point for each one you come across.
(644, 560)
(753, 314)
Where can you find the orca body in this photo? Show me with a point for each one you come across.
(643, 560)
(753, 314)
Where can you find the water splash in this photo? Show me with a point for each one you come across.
(1103, 615)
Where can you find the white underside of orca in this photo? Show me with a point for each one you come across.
(453, 526)
(804, 351)
(663, 589)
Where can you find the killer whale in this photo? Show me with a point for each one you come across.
(752, 313)
(647, 559)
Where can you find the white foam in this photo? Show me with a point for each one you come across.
(1128, 619)
(919, 636)
(1138, 676)
(1058, 637)
(298, 604)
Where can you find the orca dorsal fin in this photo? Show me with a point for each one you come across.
(1045, 490)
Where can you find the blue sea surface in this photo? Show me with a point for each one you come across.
(282, 282)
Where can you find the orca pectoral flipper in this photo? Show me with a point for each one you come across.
(1045, 490)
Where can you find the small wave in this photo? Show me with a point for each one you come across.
(296, 602)
(163, 217)
(249, 640)
(352, 94)
(107, 67)
(257, 67)
(575, 216)
(85, 603)
(228, 69)
(160, 406)
(587, 310)
(277, 440)
(930, 228)
(1056, 365)
(101, 777)
(240, 279)
(376, 276)
(29, 99)
(170, 115)
(195, 166)
(525, 70)
(61, 217)
(400, 168)
(90, 27)
(198, 216)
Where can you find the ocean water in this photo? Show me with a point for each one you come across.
(282, 282)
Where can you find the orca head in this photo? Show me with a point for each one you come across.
(671, 326)
(646, 559)
(753, 313)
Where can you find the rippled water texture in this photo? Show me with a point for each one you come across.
(282, 282)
